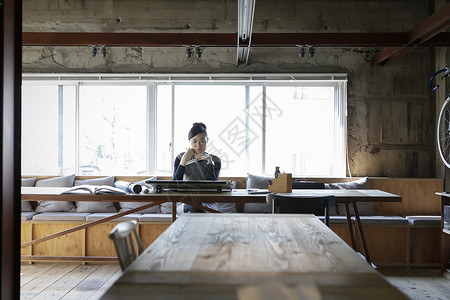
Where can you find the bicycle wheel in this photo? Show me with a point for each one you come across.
(443, 133)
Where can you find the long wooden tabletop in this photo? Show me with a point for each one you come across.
(217, 256)
(236, 195)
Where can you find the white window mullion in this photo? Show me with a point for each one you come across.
(151, 129)
(77, 128)
(60, 130)
(263, 130)
(172, 127)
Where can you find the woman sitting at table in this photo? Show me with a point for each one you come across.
(195, 163)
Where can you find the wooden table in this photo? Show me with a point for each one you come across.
(217, 256)
(238, 196)
(445, 234)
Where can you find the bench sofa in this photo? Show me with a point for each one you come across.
(397, 234)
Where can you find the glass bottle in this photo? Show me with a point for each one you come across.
(277, 171)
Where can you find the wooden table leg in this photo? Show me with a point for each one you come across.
(361, 233)
(350, 226)
(174, 211)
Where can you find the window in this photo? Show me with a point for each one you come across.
(112, 129)
(137, 125)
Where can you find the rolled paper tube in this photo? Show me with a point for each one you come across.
(128, 187)
(135, 188)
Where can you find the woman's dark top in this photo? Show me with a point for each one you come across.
(197, 170)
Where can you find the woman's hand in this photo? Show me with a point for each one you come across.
(187, 156)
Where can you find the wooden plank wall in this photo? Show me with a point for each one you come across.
(418, 195)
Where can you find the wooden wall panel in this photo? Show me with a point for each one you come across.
(68, 245)
(418, 196)
(425, 245)
(342, 231)
(151, 231)
(98, 242)
(386, 244)
(25, 236)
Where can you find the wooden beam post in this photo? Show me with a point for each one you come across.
(11, 81)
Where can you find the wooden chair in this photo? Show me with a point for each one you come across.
(318, 206)
(122, 234)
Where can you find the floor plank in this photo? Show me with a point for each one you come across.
(66, 283)
(29, 273)
(101, 291)
(71, 281)
(45, 280)
(92, 283)
(419, 283)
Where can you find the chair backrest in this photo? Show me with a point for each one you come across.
(318, 206)
(122, 234)
(296, 185)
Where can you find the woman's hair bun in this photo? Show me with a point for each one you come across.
(199, 124)
(197, 127)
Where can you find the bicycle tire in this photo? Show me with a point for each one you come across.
(443, 133)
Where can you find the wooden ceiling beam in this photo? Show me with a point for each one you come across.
(131, 39)
(422, 33)
(328, 39)
(73, 39)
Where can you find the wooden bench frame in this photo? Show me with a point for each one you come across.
(418, 198)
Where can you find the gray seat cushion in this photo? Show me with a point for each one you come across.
(27, 215)
(383, 220)
(60, 216)
(226, 207)
(97, 216)
(339, 220)
(424, 220)
(155, 218)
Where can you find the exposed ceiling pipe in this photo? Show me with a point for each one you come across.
(246, 12)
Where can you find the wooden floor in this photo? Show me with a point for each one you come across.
(70, 281)
(66, 281)
(419, 283)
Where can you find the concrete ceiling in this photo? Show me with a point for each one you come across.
(428, 33)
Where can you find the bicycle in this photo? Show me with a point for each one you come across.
(443, 125)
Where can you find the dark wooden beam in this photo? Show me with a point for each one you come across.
(10, 111)
(376, 39)
(423, 32)
(129, 39)
(76, 39)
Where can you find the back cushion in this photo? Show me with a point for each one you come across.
(64, 181)
(26, 205)
(258, 182)
(364, 208)
(95, 207)
(315, 186)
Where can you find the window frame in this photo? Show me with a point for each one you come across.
(153, 81)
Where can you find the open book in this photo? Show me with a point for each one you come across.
(95, 189)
